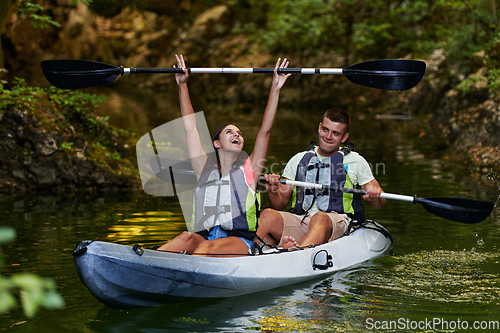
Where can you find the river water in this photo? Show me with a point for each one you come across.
(440, 275)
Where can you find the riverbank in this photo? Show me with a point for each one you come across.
(52, 141)
(457, 122)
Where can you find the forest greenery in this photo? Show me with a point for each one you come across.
(369, 29)
(21, 95)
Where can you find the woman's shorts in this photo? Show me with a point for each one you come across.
(217, 232)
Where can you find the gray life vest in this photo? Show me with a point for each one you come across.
(228, 199)
(330, 171)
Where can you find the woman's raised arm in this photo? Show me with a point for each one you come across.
(258, 157)
(197, 155)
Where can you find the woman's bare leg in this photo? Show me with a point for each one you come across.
(222, 247)
(185, 242)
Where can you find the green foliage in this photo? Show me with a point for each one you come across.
(466, 85)
(363, 29)
(21, 95)
(39, 20)
(113, 156)
(66, 146)
(32, 290)
(494, 80)
(76, 100)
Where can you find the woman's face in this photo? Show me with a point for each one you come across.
(230, 139)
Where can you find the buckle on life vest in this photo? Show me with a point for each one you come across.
(318, 165)
(221, 209)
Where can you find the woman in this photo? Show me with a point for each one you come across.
(230, 176)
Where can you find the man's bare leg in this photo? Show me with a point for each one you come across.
(270, 226)
(320, 230)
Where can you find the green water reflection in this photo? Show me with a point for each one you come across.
(437, 268)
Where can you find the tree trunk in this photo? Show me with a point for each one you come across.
(6, 7)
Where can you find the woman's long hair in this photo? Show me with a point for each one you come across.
(213, 160)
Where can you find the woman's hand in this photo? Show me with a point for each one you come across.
(181, 78)
(279, 79)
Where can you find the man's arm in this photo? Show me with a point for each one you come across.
(279, 194)
(373, 191)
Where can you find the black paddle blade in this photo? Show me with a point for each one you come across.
(166, 168)
(458, 209)
(76, 74)
(387, 74)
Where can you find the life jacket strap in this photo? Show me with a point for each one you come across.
(211, 211)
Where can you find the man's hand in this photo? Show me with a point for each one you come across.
(272, 182)
(373, 191)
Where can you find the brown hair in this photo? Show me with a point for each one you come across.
(338, 115)
(213, 158)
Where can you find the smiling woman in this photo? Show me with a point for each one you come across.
(226, 200)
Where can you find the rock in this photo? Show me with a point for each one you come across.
(206, 20)
(31, 158)
(47, 147)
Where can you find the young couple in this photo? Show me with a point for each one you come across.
(226, 200)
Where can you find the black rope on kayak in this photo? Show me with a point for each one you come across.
(279, 250)
(354, 225)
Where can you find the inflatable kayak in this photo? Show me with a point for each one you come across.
(123, 276)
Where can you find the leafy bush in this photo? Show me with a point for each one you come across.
(21, 94)
(29, 289)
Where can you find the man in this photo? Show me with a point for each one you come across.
(319, 216)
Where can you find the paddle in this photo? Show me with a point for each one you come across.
(451, 208)
(166, 168)
(385, 74)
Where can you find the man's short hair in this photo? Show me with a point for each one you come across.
(338, 115)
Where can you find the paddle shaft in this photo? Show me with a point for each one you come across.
(345, 190)
(223, 70)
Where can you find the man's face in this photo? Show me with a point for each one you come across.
(331, 136)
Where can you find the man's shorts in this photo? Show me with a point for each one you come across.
(297, 226)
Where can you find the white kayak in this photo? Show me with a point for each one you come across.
(123, 276)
